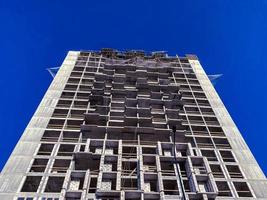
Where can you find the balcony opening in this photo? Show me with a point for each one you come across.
(75, 74)
(60, 166)
(170, 187)
(110, 164)
(129, 168)
(129, 184)
(111, 148)
(70, 87)
(82, 148)
(182, 166)
(202, 102)
(91, 163)
(39, 165)
(67, 95)
(87, 81)
(150, 183)
(64, 103)
(223, 189)
(195, 120)
(153, 138)
(167, 168)
(85, 88)
(149, 150)
(221, 143)
(129, 152)
(198, 95)
(190, 95)
(50, 136)
(74, 80)
(157, 109)
(199, 166)
(204, 142)
(207, 111)
(76, 182)
(167, 149)
(182, 150)
(149, 164)
(96, 146)
(66, 150)
(211, 121)
(186, 185)
(227, 156)
(199, 130)
(216, 131)
(234, 171)
(92, 185)
(77, 69)
(54, 184)
(56, 123)
(191, 110)
(172, 114)
(70, 136)
(60, 113)
(45, 149)
(108, 183)
(242, 189)
(204, 186)
(73, 124)
(190, 102)
(81, 95)
(31, 184)
(209, 154)
(80, 104)
(92, 134)
(184, 87)
(216, 171)
(77, 114)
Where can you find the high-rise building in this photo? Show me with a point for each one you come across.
(131, 125)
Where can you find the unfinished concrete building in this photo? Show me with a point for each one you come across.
(129, 126)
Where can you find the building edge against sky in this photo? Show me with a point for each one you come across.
(18, 166)
(242, 152)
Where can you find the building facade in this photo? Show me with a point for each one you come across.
(131, 125)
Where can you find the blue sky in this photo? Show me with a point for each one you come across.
(229, 37)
